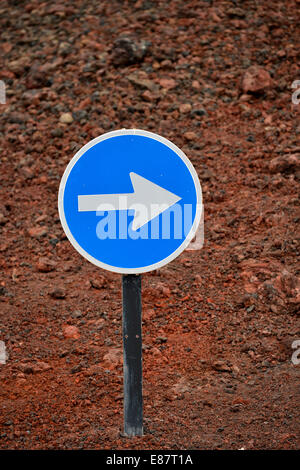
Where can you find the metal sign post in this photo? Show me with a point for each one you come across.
(132, 365)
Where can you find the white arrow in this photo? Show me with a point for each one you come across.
(148, 200)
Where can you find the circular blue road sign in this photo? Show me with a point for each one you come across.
(130, 201)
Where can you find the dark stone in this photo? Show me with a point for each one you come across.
(128, 51)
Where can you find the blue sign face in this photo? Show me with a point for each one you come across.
(130, 201)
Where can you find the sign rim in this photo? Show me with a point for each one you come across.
(150, 267)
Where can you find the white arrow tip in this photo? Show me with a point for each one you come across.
(151, 200)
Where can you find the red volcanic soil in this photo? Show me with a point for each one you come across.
(214, 77)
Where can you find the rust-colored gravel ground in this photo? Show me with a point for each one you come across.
(218, 324)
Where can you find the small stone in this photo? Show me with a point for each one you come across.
(236, 408)
(113, 358)
(245, 98)
(77, 314)
(287, 284)
(98, 283)
(196, 85)
(3, 219)
(274, 308)
(76, 369)
(167, 83)
(207, 403)
(64, 49)
(256, 80)
(3, 291)
(150, 97)
(72, 332)
(128, 51)
(247, 300)
(156, 352)
(181, 386)
(17, 118)
(143, 83)
(282, 292)
(99, 324)
(284, 163)
(37, 232)
(215, 17)
(34, 367)
(236, 12)
(38, 77)
(41, 367)
(26, 368)
(21, 375)
(26, 172)
(190, 135)
(206, 175)
(161, 290)
(281, 53)
(96, 369)
(57, 293)
(58, 132)
(185, 108)
(45, 265)
(199, 112)
(221, 366)
(161, 339)
(20, 65)
(32, 97)
(54, 241)
(66, 118)
(268, 120)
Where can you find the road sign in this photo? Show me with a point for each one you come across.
(130, 201)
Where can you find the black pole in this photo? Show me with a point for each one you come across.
(132, 364)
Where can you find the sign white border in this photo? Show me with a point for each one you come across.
(150, 267)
